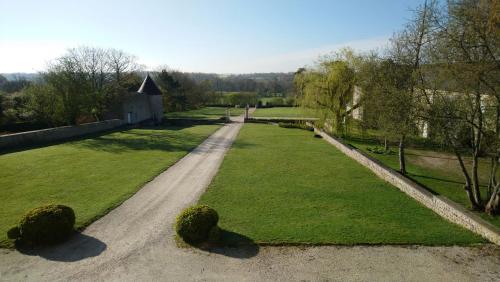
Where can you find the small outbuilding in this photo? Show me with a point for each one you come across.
(144, 105)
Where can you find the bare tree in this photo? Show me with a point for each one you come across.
(120, 62)
(465, 104)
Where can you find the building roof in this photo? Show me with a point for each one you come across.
(149, 87)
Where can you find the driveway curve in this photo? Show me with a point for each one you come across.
(134, 242)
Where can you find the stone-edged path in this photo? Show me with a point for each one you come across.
(134, 242)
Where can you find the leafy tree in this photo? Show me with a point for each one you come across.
(44, 104)
(180, 92)
(408, 49)
(328, 89)
(463, 82)
(83, 84)
(389, 105)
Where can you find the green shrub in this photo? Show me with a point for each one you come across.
(379, 150)
(195, 223)
(45, 225)
(295, 125)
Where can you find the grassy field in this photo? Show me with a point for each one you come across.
(206, 113)
(280, 185)
(90, 175)
(266, 100)
(283, 112)
(438, 171)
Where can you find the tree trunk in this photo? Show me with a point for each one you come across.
(493, 205)
(475, 180)
(402, 163)
(493, 176)
(467, 185)
(477, 134)
(338, 125)
(386, 145)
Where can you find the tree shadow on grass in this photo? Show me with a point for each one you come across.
(231, 244)
(78, 247)
(95, 139)
(412, 176)
(137, 140)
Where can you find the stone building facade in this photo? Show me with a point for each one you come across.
(144, 105)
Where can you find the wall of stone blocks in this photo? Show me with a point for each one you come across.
(439, 204)
(56, 134)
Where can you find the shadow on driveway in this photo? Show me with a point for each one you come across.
(78, 247)
(234, 245)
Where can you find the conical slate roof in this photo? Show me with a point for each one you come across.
(149, 87)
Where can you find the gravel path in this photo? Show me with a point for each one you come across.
(134, 242)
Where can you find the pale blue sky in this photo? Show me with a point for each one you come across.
(206, 36)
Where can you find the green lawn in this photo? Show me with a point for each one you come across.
(438, 171)
(279, 185)
(283, 112)
(92, 175)
(206, 113)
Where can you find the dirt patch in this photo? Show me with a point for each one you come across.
(446, 164)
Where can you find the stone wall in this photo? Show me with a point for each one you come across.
(56, 133)
(439, 204)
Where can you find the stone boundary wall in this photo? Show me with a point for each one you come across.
(56, 133)
(439, 204)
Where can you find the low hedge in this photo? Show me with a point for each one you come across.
(295, 125)
(197, 224)
(48, 224)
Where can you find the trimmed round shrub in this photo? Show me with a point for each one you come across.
(195, 223)
(48, 224)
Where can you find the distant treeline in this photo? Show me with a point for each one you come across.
(264, 84)
(87, 84)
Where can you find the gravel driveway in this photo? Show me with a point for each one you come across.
(134, 242)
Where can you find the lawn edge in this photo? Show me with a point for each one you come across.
(439, 204)
(11, 245)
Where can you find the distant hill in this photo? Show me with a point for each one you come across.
(20, 75)
(262, 83)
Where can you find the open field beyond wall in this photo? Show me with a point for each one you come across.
(206, 113)
(283, 186)
(284, 112)
(438, 171)
(91, 175)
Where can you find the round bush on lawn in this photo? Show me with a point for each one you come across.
(195, 223)
(47, 225)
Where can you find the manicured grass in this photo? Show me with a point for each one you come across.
(438, 171)
(279, 185)
(206, 113)
(283, 112)
(92, 175)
